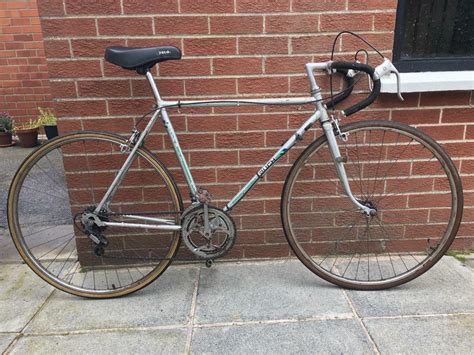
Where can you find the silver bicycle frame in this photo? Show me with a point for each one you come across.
(320, 114)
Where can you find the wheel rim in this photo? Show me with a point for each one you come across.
(411, 229)
(72, 174)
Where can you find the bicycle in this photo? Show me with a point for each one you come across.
(115, 216)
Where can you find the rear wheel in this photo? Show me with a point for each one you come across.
(395, 169)
(64, 180)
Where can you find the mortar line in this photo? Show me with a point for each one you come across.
(192, 313)
(21, 333)
(429, 315)
(359, 320)
(344, 316)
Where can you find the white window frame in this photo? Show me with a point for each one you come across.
(430, 81)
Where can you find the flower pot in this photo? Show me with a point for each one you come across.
(51, 131)
(5, 139)
(28, 137)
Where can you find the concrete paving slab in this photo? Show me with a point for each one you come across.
(265, 290)
(125, 342)
(8, 253)
(312, 337)
(5, 340)
(424, 335)
(10, 159)
(166, 301)
(21, 295)
(447, 288)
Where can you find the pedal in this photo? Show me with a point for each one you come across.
(209, 263)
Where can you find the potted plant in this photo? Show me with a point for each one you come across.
(6, 124)
(48, 120)
(27, 133)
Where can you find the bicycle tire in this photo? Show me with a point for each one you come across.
(69, 156)
(316, 246)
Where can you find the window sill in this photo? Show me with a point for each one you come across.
(430, 81)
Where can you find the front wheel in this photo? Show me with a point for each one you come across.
(393, 168)
(64, 180)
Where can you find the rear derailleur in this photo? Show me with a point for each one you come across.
(94, 227)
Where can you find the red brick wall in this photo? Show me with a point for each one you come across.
(24, 84)
(232, 48)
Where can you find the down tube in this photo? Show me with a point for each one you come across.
(268, 165)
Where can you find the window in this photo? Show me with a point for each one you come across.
(434, 35)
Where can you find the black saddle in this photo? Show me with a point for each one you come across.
(140, 59)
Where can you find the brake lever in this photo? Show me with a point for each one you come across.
(386, 68)
(397, 74)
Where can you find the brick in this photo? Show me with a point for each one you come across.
(147, 7)
(291, 23)
(181, 25)
(384, 21)
(68, 27)
(50, 8)
(416, 116)
(216, 158)
(206, 6)
(93, 47)
(167, 87)
(260, 122)
(210, 86)
(263, 6)
(263, 45)
(239, 174)
(443, 98)
(236, 24)
(372, 5)
(74, 69)
(212, 123)
(186, 67)
(286, 64)
(470, 132)
(239, 140)
(92, 7)
(80, 108)
(312, 44)
(237, 66)
(120, 26)
(348, 22)
(444, 132)
(133, 106)
(57, 48)
(63, 89)
(321, 5)
(209, 46)
(263, 85)
(381, 41)
(457, 115)
(104, 88)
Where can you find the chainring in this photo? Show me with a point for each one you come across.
(223, 232)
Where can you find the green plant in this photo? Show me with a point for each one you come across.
(46, 117)
(460, 255)
(6, 122)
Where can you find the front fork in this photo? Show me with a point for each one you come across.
(340, 169)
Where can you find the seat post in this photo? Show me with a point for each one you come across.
(154, 88)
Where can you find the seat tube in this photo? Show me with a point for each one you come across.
(172, 134)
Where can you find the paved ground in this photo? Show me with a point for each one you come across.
(235, 307)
